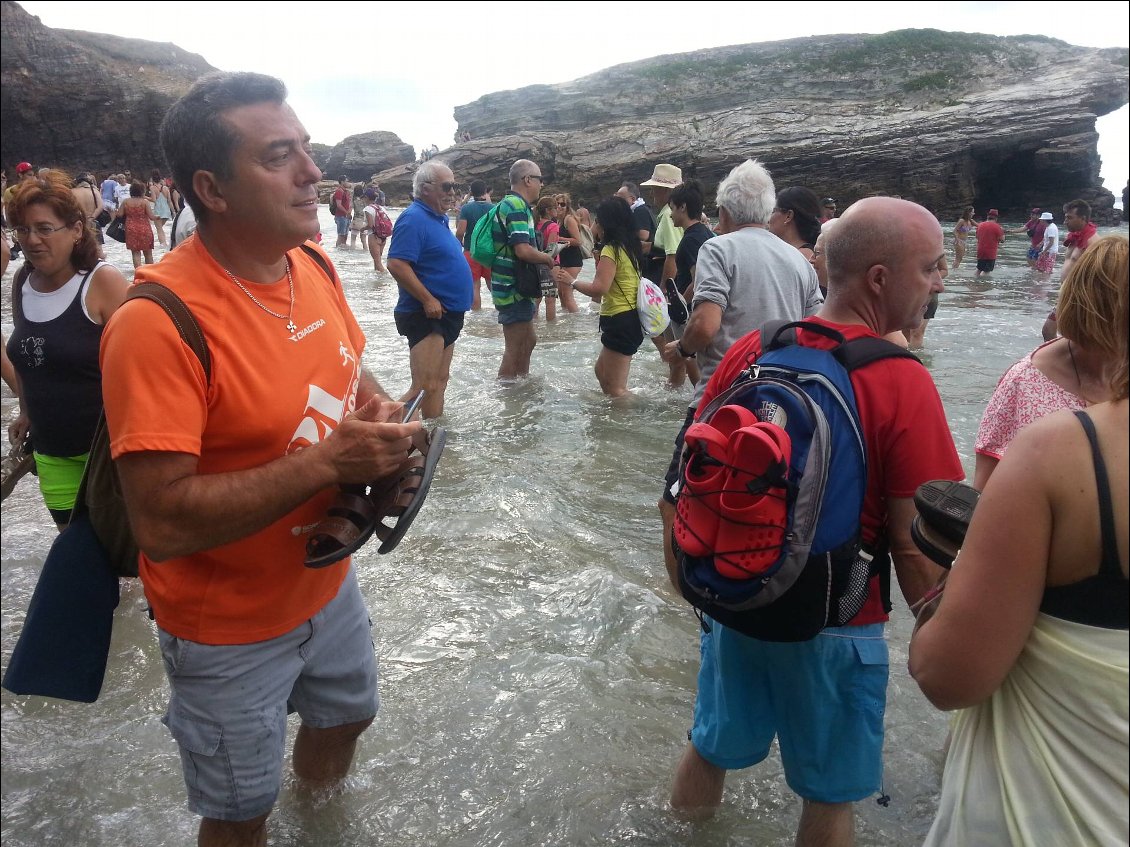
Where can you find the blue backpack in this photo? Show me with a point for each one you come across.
(771, 489)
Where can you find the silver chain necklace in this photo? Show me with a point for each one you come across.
(289, 317)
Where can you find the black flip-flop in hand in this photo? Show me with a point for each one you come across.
(360, 511)
(944, 508)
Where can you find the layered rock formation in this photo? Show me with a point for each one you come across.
(361, 156)
(948, 119)
(86, 101)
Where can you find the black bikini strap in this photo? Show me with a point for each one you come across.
(1109, 564)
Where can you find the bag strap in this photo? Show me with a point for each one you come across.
(181, 316)
(322, 263)
(18, 280)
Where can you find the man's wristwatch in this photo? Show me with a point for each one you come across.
(682, 352)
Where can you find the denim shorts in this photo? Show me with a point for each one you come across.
(342, 225)
(229, 703)
(823, 699)
(416, 326)
(520, 311)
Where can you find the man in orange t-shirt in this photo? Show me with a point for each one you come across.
(225, 478)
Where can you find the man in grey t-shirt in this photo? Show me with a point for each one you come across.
(745, 277)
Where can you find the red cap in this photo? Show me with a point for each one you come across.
(23, 167)
(993, 213)
(1035, 211)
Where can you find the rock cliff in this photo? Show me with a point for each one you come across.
(85, 101)
(947, 119)
(361, 156)
(89, 101)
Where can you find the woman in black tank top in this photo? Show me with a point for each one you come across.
(61, 299)
(1035, 611)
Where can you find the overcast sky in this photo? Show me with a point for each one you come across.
(404, 67)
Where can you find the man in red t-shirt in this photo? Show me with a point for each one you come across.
(341, 204)
(824, 699)
(990, 237)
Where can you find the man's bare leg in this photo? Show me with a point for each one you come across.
(519, 342)
(324, 755)
(697, 788)
(826, 825)
(430, 363)
(214, 833)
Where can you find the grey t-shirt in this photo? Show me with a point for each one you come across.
(755, 277)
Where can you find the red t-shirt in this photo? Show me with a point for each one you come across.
(341, 205)
(989, 238)
(905, 431)
(272, 393)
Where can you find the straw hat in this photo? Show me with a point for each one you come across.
(665, 176)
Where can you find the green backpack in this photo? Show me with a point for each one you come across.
(484, 245)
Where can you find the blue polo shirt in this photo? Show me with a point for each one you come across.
(423, 238)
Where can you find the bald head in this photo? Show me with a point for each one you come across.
(882, 262)
(874, 231)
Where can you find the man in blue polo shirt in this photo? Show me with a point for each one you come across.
(426, 260)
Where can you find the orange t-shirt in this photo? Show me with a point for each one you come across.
(272, 392)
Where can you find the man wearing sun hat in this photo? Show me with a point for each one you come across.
(990, 237)
(661, 262)
(1049, 247)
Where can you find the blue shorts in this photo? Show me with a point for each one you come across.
(520, 311)
(823, 699)
(342, 225)
(228, 706)
(1033, 253)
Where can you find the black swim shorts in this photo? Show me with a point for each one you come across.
(622, 333)
(416, 326)
(986, 265)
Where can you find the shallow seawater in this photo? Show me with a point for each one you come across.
(538, 673)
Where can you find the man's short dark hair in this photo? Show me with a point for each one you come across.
(688, 194)
(1080, 207)
(478, 188)
(633, 189)
(194, 135)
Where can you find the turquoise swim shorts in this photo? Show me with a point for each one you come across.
(823, 699)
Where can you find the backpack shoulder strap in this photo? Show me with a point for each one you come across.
(18, 280)
(861, 352)
(322, 263)
(181, 317)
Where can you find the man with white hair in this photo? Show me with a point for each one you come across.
(426, 260)
(743, 278)
(516, 234)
